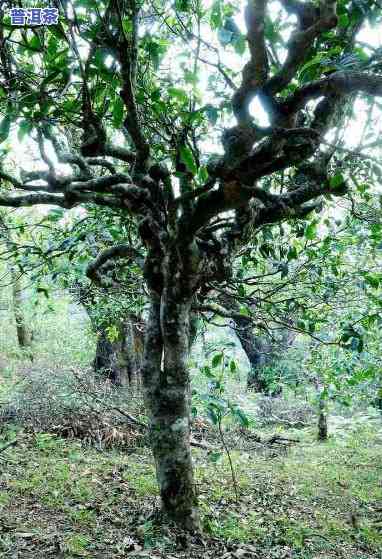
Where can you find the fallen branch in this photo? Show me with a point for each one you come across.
(279, 439)
(129, 417)
(292, 424)
(272, 440)
(198, 444)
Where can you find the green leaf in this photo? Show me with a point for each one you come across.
(187, 157)
(155, 49)
(34, 44)
(301, 325)
(225, 37)
(118, 110)
(217, 359)
(241, 290)
(313, 67)
(127, 26)
(218, 404)
(112, 333)
(178, 94)
(202, 174)
(240, 44)
(337, 180)
(24, 128)
(56, 214)
(244, 311)
(373, 280)
(241, 417)
(155, 95)
(211, 414)
(292, 253)
(182, 5)
(5, 127)
(207, 371)
(311, 231)
(212, 113)
(216, 18)
(357, 344)
(214, 456)
(343, 20)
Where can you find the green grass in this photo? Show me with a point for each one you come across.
(307, 499)
(60, 499)
(86, 503)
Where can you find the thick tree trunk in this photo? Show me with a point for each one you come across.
(109, 361)
(167, 388)
(251, 344)
(120, 360)
(253, 349)
(261, 353)
(24, 335)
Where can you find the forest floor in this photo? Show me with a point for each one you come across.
(61, 499)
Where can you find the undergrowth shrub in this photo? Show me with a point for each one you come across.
(74, 404)
(288, 412)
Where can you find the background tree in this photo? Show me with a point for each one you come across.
(24, 334)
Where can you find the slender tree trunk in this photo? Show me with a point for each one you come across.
(167, 389)
(120, 359)
(378, 400)
(24, 335)
(322, 427)
(256, 349)
(133, 349)
(322, 422)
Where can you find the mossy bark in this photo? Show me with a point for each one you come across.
(254, 352)
(167, 389)
(24, 334)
